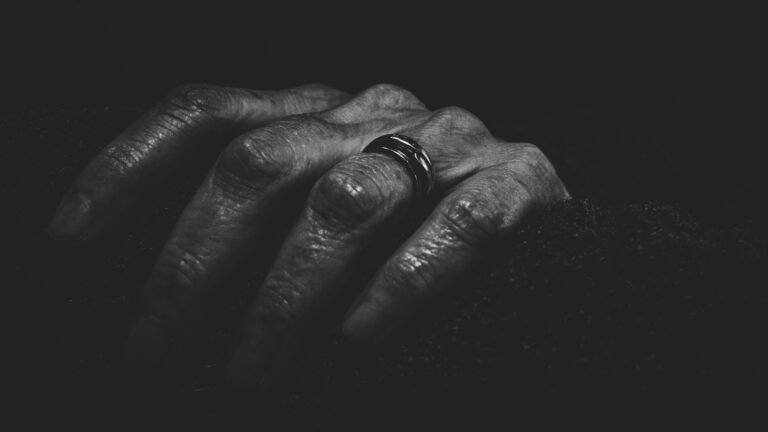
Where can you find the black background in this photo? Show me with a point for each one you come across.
(689, 76)
(455, 53)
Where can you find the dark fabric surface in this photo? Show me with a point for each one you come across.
(645, 293)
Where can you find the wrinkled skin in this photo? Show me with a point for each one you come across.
(312, 137)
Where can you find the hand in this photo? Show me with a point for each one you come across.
(311, 136)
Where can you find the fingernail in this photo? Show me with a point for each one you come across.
(247, 367)
(147, 345)
(363, 324)
(72, 219)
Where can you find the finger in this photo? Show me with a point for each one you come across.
(484, 209)
(346, 208)
(236, 207)
(158, 145)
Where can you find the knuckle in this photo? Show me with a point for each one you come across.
(376, 101)
(186, 264)
(192, 97)
(253, 157)
(273, 153)
(410, 276)
(258, 157)
(172, 291)
(348, 196)
(312, 98)
(455, 120)
(390, 95)
(184, 106)
(533, 172)
(473, 218)
(532, 156)
(122, 157)
(278, 302)
(299, 128)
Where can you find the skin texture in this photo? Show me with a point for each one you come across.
(307, 138)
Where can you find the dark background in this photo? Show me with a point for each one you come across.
(645, 101)
(703, 54)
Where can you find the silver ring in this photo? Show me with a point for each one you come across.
(411, 155)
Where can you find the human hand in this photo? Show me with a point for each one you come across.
(311, 136)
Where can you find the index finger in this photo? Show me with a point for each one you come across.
(158, 145)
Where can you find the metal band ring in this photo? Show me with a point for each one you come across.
(411, 155)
